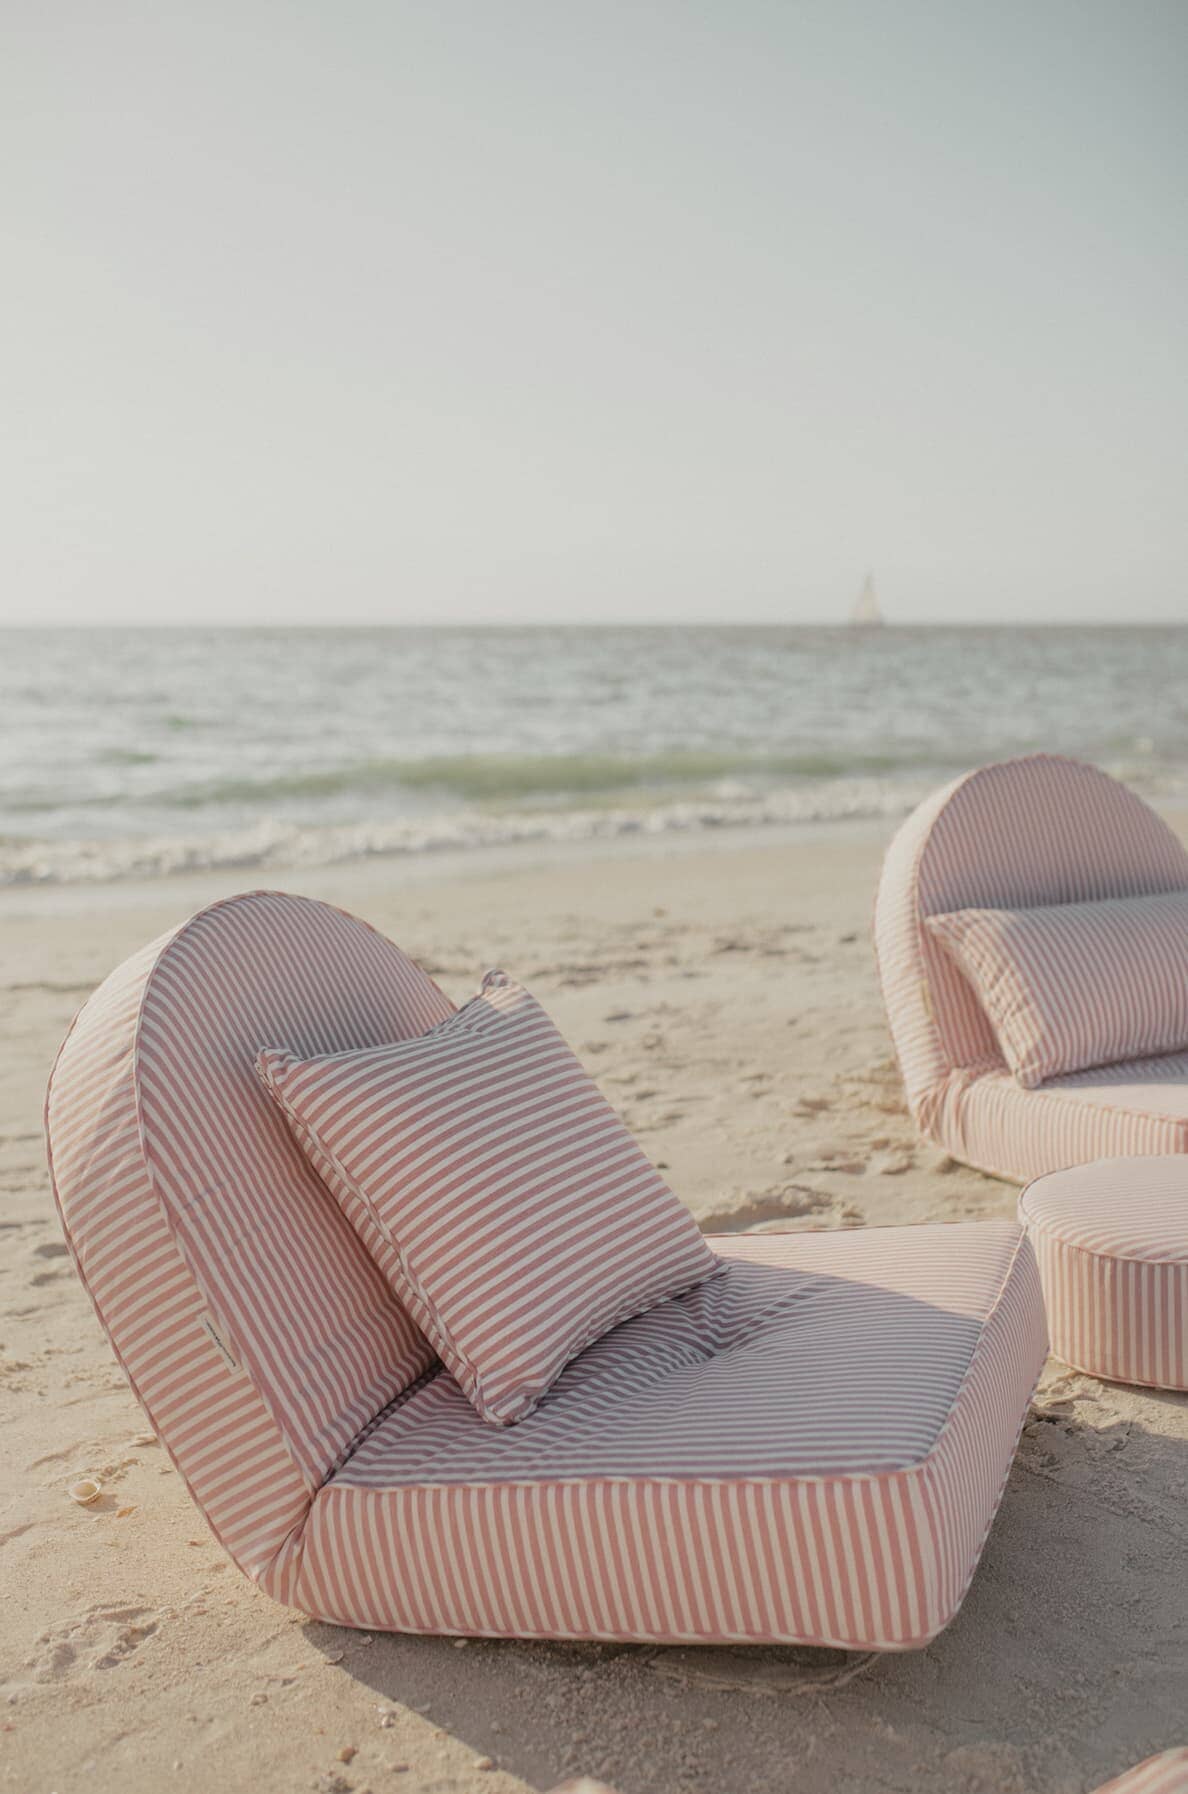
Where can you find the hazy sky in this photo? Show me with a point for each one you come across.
(516, 310)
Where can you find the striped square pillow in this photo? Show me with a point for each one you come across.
(523, 1221)
(1077, 985)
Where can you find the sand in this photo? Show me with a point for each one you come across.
(725, 998)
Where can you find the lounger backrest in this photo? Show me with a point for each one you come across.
(1009, 836)
(250, 1320)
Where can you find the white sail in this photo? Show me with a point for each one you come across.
(866, 613)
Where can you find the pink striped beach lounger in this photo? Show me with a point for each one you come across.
(1165, 1774)
(1051, 850)
(808, 1446)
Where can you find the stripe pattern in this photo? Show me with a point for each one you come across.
(808, 1448)
(778, 1510)
(207, 1414)
(1070, 986)
(522, 1219)
(195, 1219)
(1118, 1111)
(1166, 1773)
(1015, 835)
(1111, 1241)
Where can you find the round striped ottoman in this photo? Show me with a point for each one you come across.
(1111, 1240)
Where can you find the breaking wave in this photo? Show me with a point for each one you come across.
(273, 843)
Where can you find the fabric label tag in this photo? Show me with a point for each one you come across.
(210, 1328)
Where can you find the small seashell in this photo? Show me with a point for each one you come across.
(347, 1752)
(85, 1491)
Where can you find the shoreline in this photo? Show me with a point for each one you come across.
(434, 865)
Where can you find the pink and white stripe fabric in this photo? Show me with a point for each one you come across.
(252, 1323)
(990, 1121)
(1021, 834)
(1071, 986)
(1111, 1240)
(1166, 1773)
(806, 1448)
(523, 1219)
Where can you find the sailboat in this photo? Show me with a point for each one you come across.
(866, 613)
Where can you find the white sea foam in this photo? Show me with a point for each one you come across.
(275, 844)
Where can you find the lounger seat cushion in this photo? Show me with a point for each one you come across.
(990, 1121)
(1111, 1240)
(809, 1447)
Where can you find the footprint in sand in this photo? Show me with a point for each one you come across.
(894, 1163)
(1071, 1428)
(788, 1208)
(827, 1158)
(807, 1106)
(770, 1670)
(103, 1638)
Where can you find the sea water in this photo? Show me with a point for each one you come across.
(138, 752)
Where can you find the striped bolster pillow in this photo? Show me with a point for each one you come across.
(524, 1220)
(1077, 985)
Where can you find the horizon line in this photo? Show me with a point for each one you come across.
(842, 625)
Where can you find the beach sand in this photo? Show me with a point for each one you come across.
(725, 998)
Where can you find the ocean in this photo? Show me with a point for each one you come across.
(134, 753)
